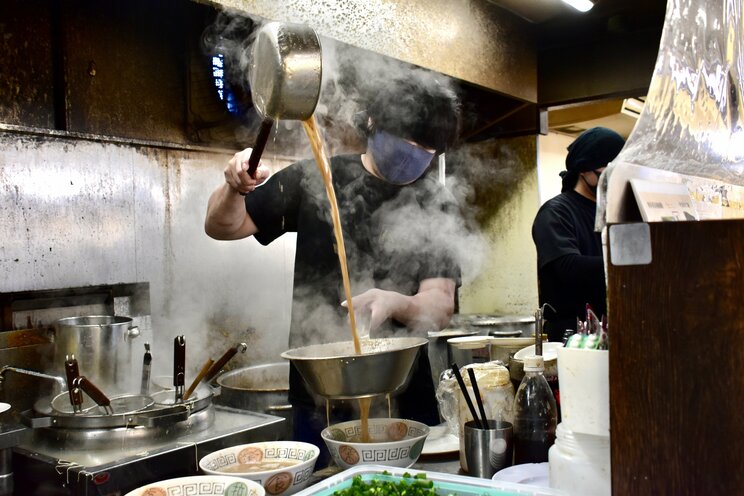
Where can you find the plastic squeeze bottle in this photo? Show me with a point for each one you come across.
(535, 414)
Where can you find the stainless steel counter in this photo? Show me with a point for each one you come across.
(445, 465)
(41, 468)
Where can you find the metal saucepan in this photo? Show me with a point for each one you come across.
(285, 77)
(259, 388)
(550, 357)
(335, 371)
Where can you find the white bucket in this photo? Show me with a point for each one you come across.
(584, 377)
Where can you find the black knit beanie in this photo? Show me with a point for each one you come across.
(592, 150)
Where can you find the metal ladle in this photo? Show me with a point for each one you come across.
(285, 77)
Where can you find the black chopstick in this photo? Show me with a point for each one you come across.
(464, 389)
(476, 391)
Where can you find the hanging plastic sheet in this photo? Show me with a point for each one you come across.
(691, 130)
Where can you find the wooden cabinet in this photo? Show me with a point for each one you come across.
(676, 358)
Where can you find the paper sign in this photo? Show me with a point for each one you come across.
(662, 202)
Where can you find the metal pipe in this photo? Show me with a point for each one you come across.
(57, 379)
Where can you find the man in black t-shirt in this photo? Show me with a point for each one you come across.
(570, 267)
(404, 279)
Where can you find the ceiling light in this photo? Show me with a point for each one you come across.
(580, 5)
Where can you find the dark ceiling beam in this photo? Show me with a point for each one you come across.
(620, 65)
(521, 119)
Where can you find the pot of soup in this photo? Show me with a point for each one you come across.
(259, 388)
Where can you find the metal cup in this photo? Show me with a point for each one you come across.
(488, 450)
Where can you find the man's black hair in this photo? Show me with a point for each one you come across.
(418, 107)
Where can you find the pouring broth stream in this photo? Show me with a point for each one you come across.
(324, 165)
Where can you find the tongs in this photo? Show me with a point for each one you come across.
(146, 365)
(226, 357)
(77, 384)
(72, 372)
(81, 382)
(212, 368)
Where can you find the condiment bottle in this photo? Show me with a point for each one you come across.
(580, 463)
(535, 414)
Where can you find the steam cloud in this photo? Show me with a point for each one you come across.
(351, 76)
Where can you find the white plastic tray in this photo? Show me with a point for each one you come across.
(446, 484)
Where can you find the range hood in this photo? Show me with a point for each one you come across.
(472, 40)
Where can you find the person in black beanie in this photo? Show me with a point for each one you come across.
(570, 267)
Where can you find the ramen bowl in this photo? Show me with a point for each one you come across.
(393, 442)
(201, 485)
(280, 467)
(336, 371)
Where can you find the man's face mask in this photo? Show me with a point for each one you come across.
(398, 161)
(593, 189)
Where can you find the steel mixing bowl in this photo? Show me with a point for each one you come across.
(335, 371)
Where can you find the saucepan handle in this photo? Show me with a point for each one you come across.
(258, 148)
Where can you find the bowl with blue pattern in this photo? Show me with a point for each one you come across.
(201, 485)
(280, 467)
(392, 441)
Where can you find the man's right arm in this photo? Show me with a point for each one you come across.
(227, 217)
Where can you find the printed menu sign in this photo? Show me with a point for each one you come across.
(660, 202)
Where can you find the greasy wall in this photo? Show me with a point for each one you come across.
(501, 197)
(82, 212)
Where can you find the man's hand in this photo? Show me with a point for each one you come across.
(430, 309)
(376, 306)
(236, 173)
(227, 217)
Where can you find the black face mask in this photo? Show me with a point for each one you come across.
(593, 189)
(398, 161)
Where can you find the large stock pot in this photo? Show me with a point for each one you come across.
(102, 345)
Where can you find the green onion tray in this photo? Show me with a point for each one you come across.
(444, 484)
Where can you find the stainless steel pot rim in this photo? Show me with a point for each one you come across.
(485, 320)
(505, 333)
(201, 398)
(158, 417)
(345, 349)
(98, 435)
(61, 404)
(93, 320)
(451, 332)
(253, 389)
(276, 374)
(123, 404)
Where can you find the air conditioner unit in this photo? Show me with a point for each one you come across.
(633, 106)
